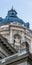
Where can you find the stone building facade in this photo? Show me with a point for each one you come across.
(18, 35)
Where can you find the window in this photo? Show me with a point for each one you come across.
(0, 57)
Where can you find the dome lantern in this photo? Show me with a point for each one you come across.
(12, 13)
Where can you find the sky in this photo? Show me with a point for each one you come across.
(23, 8)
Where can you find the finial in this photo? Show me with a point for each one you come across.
(12, 7)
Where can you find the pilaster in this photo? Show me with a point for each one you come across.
(11, 36)
(31, 47)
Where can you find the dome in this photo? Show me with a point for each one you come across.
(12, 16)
(1, 19)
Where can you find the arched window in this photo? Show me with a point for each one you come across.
(27, 46)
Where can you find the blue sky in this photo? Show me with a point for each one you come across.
(23, 7)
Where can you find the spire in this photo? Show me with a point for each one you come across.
(12, 7)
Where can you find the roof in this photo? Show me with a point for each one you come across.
(11, 17)
(6, 44)
(16, 58)
(13, 58)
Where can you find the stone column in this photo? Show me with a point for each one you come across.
(30, 48)
(11, 36)
(22, 37)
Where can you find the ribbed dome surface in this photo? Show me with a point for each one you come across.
(12, 17)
